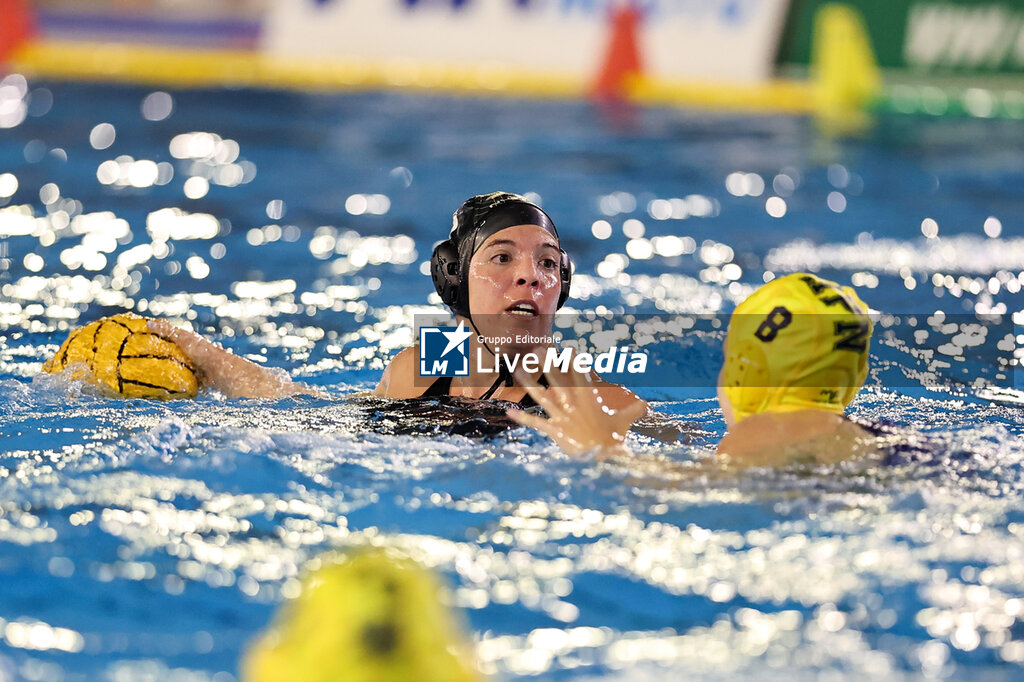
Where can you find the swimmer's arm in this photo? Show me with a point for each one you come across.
(582, 423)
(662, 428)
(222, 370)
(650, 423)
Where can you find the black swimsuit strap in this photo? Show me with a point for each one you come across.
(504, 377)
(527, 400)
(442, 386)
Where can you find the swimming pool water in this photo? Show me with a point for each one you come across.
(143, 540)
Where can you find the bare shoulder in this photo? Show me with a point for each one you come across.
(398, 378)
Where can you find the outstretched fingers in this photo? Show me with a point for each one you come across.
(555, 429)
(536, 391)
(577, 417)
(570, 379)
(563, 388)
(633, 412)
(532, 421)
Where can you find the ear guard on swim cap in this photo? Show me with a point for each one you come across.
(476, 220)
(798, 343)
(446, 271)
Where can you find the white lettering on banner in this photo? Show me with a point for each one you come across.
(531, 363)
(977, 36)
(726, 41)
(561, 360)
(615, 360)
(604, 363)
(582, 363)
(963, 36)
(725, 11)
(729, 12)
(637, 363)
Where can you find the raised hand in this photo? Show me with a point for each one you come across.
(578, 419)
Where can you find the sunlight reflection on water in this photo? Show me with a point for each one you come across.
(304, 250)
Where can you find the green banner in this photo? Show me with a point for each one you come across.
(941, 37)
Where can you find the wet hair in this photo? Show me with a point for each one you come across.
(478, 218)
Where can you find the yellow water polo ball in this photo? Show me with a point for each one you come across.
(373, 616)
(121, 354)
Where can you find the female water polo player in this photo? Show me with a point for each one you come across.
(501, 271)
(796, 354)
(503, 274)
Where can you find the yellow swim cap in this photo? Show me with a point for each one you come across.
(373, 617)
(798, 343)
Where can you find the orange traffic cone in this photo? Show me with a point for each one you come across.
(16, 27)
(622, 58)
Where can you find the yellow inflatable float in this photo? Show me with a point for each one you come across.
(119, 353)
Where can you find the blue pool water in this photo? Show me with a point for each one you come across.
(143, 540)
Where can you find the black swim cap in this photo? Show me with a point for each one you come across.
(485, 214)
(477, 219)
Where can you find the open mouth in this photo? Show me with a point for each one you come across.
(523, 309)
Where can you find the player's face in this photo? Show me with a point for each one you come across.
(514, 283)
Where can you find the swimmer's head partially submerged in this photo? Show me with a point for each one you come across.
(796, 354)
(369, 616)
(798, 343)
